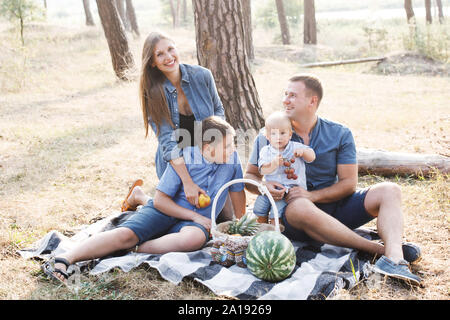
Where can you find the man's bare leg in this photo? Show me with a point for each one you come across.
(302, 214)
(384, 201)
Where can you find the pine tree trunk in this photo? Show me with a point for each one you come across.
(123, 17)
(440, 11)
(410, 18)
(309, 27)
(174, 8)
(87, 11)
(221, 48)
(45, 9)
(122, 59)
(247, 11)
(131, 16)
(384, 163)
(184, 11)
(285, 37)
(428, 17)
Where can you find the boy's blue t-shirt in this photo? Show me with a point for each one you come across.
(333, 144)
(207, 175)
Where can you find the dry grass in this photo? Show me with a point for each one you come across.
(72, 140)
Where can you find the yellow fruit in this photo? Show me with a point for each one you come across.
(204, 200)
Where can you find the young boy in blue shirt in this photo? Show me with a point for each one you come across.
(168, 222)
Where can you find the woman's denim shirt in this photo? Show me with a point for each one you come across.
(200, 90)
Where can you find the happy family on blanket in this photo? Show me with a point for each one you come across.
(307, 163)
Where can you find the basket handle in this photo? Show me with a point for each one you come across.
(262, 188)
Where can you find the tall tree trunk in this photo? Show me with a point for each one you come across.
(131, 16)
(309, 27)
(221, 48)
(87, 11)
(410, 18)
(45, 9)
(440, 11)
(247, 12)
(175, 9)
(123, 17)
(428, 17)
(184, 11)
(122, 59)
(285, 37)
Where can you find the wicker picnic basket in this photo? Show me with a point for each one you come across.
(228, 249)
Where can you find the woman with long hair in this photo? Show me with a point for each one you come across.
(174, 97)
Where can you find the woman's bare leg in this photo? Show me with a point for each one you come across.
(138, 197)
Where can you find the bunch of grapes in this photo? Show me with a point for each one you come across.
(290, 172)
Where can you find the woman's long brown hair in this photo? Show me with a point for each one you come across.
(151, 86)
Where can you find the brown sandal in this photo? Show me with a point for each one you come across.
(125, 205)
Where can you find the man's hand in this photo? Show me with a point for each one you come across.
(276, 189)
(299, 192)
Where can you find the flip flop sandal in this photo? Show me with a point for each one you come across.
(48, 268)
(125, 205)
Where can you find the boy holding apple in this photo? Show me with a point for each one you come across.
(168, 222)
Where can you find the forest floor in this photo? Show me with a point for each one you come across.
(72, 141)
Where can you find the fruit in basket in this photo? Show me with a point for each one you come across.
(270, 256)
(246, 226)
(203, 200)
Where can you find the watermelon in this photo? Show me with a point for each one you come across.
(270, 256)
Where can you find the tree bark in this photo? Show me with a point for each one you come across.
(122, 59)
(184, 11)
(410, 18)
(285, 36)
(340, 62)
(385, 163)
(175, 9)
(440, 11)
(123, 17)
(221, 48)
(131, 16)
(309, 27)
(87, 11)
(45, 9)
(428, 16)
(247, 12)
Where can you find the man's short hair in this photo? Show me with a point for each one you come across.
(214, 129)
(311, 82)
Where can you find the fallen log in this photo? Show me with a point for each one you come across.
(384, 163)
(341, 62)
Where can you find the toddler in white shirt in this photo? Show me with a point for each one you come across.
(282, 161)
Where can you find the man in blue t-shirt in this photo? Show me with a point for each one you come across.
(331, 206)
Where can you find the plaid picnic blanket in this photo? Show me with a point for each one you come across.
(320, 272)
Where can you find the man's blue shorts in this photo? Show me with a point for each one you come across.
(350, 211)
(149, 223)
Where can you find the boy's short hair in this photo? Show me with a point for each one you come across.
(214, 129)
(311, 82)
(277, 119)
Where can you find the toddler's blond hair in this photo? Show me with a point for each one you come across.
(278, 120)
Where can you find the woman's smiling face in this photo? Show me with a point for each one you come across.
(165, 56)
